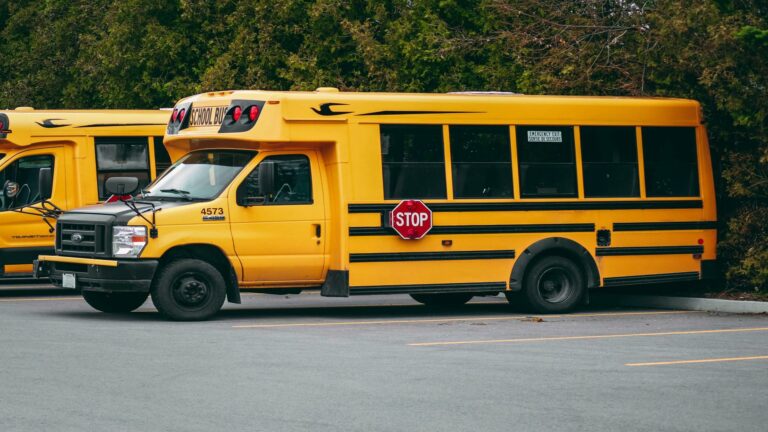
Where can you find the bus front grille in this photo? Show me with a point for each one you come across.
(81, 239)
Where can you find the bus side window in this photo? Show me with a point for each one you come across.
(669, 156)
(292, 181)
(121, 157)
(413, 161)
(162, 158)
(547, 162)
(481, 162)
(609, 158)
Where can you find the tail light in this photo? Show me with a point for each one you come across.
(182, 112)
(174, 115)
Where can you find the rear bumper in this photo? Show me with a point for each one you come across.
(99, 275)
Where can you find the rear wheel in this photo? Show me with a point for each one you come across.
(442, 300)
(188, 290)
(115, 302)
(553, 284)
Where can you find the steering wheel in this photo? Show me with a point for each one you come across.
(282, 189)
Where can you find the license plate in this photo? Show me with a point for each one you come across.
(68, 280)
(207, 116)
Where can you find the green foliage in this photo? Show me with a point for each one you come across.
(143, 53)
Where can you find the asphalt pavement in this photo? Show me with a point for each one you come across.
(379, 363)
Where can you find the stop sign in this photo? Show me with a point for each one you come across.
(412, 219)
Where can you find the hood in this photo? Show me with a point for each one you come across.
(117, 212)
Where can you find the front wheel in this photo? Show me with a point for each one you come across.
(188, 290)
(554, 284)
(442, 300)
(115, 302)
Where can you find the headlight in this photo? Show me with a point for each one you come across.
(128, 241)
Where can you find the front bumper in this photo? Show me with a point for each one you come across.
(99, 275)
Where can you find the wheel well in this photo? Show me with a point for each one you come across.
(210, 254)
(555, 246)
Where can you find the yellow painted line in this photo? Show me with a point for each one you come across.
(348, 323)
(443, 320)
(21, 299)
(713, 360)
(610, 336)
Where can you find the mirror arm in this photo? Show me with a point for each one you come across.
(132, 206)
(43, 212)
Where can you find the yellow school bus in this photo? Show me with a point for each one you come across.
(440, 196)
(83, 149)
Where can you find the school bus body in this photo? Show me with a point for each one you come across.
(340, 239)
(65, 141)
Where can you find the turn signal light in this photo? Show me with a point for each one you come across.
(236, 113)
(174, 114)
(182, 112)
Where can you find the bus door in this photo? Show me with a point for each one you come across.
(24, 236)
(279, 230)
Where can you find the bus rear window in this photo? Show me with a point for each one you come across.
(413, 162)
(669, 156)
(121, 157)
(546, 160)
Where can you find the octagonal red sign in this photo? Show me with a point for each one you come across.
(412, 219)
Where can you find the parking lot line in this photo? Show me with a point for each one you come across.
(713, 360)
(569, 338)
(443, 320)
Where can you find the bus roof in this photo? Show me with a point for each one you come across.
(330, 105)
(26, 126)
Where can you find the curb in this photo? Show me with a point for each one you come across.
(687, 303)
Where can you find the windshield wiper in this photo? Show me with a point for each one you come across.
(182, 193)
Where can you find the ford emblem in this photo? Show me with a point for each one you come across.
(77, 238)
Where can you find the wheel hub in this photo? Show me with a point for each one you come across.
(190, 291)
(555, 285)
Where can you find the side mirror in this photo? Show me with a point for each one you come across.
(121, 185)
(267, 178)
(256, 191)
(10, 189)
(45, 180)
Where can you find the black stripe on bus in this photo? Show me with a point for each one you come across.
(429, 288)
(386, 113)
(524, 206)
(431, 256)
(655, 278)
(664, 226)
(481, 229)
(649, 250)
(25, 255)
(98, 125)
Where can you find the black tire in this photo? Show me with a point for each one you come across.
(115, 302)
(188, 290)
(442, 300)
(553, 284)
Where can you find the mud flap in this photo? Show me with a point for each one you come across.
(336, 284)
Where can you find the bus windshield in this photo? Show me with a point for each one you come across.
(200, 175)
(19, 180)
